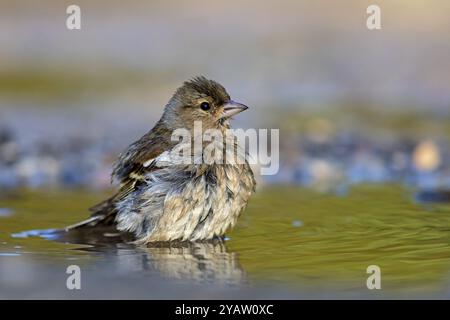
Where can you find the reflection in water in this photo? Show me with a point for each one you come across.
(207, 261)
(200, 261)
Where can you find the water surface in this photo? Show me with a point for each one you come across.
(290, 243)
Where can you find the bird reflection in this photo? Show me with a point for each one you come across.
(206, 261)
(199, 261)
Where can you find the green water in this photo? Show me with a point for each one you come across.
(289, 240)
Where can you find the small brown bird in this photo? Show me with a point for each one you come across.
(163, 201)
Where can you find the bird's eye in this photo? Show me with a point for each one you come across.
(205, 106)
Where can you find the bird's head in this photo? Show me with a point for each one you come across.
(204, 100)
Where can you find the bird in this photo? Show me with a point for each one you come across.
(162, 201)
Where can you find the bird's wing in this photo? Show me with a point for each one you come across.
(129, 170)
(136, 161)
(139, 155)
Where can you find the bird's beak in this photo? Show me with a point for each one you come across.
(232, 108)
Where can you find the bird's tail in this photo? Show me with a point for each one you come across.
(103, 214)
(92, 221)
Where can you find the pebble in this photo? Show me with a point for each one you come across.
(426, 156)
(323, 159)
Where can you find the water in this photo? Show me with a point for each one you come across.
(290, 243)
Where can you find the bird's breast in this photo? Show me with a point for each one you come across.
(189, 202)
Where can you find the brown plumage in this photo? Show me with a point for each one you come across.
(166, 202)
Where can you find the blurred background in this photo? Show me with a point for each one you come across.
(364, 119)
(355, 104)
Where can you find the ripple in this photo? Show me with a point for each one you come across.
(6, 212)
(9, 254)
